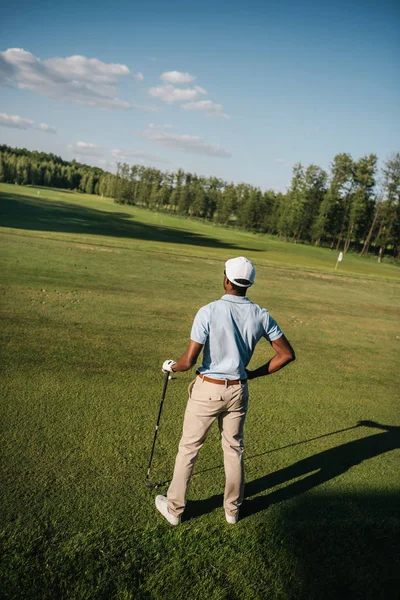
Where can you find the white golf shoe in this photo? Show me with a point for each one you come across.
(162, 506)
(232, 520)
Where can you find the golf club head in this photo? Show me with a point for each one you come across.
(151, 485)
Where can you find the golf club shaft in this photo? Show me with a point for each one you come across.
(158, 422)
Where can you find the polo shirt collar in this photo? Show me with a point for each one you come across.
(238, 299)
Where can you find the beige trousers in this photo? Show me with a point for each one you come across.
(208, 402)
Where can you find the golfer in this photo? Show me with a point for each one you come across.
(228, 330)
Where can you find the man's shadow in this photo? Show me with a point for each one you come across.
(319, 468)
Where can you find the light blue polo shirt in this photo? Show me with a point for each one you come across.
(230, 328)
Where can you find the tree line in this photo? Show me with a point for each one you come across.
(351, 206)
(23, 167)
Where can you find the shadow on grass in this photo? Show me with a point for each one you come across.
(337, 545)
(37, 214)
(334, 545)
(315, 470)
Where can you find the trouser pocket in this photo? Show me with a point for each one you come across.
(191, 385)
(205, 392)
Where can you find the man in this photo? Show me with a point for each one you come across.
(229, 330)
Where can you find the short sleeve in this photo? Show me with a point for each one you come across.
(272, 329)
(201, 326)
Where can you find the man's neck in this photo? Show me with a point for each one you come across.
(235, 293)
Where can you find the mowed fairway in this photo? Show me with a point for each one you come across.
(94, 297)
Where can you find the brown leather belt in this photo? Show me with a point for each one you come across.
(221, 381)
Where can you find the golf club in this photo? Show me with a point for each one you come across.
(149, 484)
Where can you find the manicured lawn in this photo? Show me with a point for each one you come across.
(94, 297)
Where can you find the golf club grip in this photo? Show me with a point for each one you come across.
(167, 374)
(162, 398)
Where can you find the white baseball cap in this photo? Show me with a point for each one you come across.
(240, 271)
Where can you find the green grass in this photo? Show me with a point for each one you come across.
(94, 297)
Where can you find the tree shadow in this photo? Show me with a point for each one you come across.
(38, 214)
(316, 469)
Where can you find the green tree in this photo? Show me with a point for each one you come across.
(22, 176)
(386, 222)
(315, 191)
(362, 205)
(165, 190)
(199, 202)
(155, 199)
(176, 192)
(292, 211)
(227, 204)
(89, 187)
(3, 171)
(250, 215)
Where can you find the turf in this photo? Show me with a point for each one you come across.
(95, 297)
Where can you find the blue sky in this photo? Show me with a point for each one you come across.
(238, 90)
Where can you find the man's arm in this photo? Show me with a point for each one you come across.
(189, 358)
(284, 355)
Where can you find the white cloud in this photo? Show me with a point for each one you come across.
(15, 121)
(130, 155)
(153, 126)
(79, 79)
(177, 77)
(280, 161)
(7, 71)
(184, 143)
(147, 108)
(86, 69)
(109, 157)
(20, 123)
(46, 128)
(207, 107)
(86, 149)
(201, 90)
(168, 93)
(138, 76)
